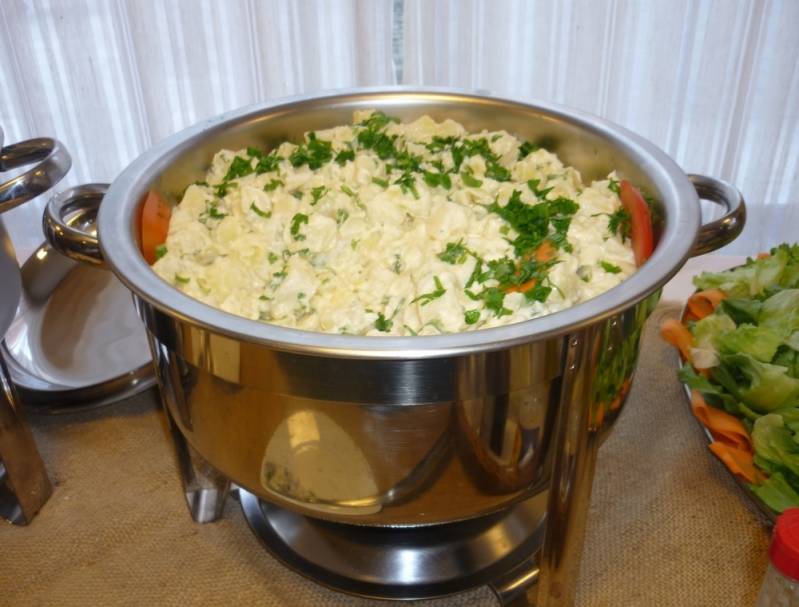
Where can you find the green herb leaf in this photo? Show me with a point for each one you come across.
(526, 149)
(341, 216)
(383, 183)
(471, 316)
(344, 155)
(469, 180)
(273, 185)
(160, 251)
(407, 183)
(239, 168)
(268, 163)
(497, 172)
(317, 193)
(620, 223)
(182, 279)
(540, 193)
(426, 298)
(348, 191)
(214, 213)
(296, 222)
(610, 268)
(383, 324)
(437, 180)
(272, 257)
(315, 152)
(455, 253)
(259, 212)
(614, 187)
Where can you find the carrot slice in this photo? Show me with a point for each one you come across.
(154, 224)
(738, 462)
(763, 255)
(724, 427)
(703, 303)
(522, 288)
(678, 335)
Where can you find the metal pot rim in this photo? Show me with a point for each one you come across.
(120, 250)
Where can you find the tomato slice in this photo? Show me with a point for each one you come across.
(154, 224)
(640, 221)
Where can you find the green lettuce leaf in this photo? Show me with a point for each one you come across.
(762, 386)
(748, 280)
(759, 342)
(780, 312)
(742, 310)
(776, 493)
(774, 444)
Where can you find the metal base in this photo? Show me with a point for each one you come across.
(403, 563)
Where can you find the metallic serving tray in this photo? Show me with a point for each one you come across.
(76, 339)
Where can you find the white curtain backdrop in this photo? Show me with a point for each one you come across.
(714, 83)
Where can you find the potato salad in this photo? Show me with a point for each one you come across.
(390, 228)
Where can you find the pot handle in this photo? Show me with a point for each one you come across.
(724, 230)
(53, 163)
(69, 223)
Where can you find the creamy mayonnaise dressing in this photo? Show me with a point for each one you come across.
(385, 228)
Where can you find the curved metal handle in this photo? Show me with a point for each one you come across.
(723, 231)
(53, 163)
(69, 223)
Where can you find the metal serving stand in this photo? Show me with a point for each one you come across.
(24, 485)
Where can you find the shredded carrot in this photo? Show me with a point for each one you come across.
(545, 252)
(724, 427)
(738, 462)
(522, 288)
(678, 335)
(703, 303)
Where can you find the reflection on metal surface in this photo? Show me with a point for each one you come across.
(53, 163)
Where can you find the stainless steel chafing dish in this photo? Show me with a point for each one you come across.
(400, 431)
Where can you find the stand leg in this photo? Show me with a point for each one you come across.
(205, 489)
(24, 486)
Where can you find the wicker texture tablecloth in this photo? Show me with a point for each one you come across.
(667, 526)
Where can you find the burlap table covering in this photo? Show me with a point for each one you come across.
(667, 526)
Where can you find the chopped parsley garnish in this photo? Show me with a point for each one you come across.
(471, 316)
(470, 180)
(614, 187)
(426, 298)
(526, 149)
(377, 121)
(315, 152)
(182, 279)
(540, 193)
(348, 191)
(297, 194)
(220, 190)
(259, 212)
(160, 251)
(272, 257)
(383, 183)
(493, 299)
(214, 213)
(268, 163)
(397, 265)
(455, 253)
(609, 267)
(383, 324)
(273, 185)
(532, 222)
(318, 192)
(296, 222)
(407, 183)
(238, 168)
(407, 162)
(253, 152)
(441, 180)
(497, 172)
(344, 155)
(341, 216)
(619, 223)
